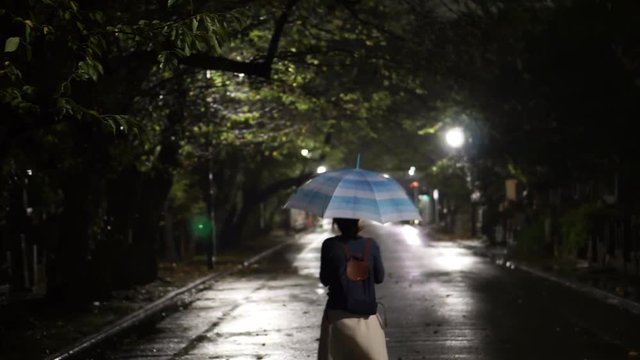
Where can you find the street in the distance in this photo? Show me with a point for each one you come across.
(441, 301)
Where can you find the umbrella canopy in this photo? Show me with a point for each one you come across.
(355, 194)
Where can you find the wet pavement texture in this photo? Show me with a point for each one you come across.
(441, 301)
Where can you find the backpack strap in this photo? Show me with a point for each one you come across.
(345, 248)
(367, 249)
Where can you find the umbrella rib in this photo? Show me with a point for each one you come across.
(336, 186)
(375, 196)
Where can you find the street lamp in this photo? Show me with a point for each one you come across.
(321, 169)
(455, 137)
(436, 195)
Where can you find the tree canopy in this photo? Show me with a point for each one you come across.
(122, 118)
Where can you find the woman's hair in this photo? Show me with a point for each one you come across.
(347, 227)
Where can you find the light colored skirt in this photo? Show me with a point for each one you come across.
(346, 336)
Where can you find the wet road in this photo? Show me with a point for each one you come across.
(442, 302)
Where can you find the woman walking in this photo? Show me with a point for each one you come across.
(350, 266)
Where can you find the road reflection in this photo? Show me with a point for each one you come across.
(411, 235)
(307, 262)
(454, 259)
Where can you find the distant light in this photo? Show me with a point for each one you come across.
(455, 259)
(29, 172)
(414, 184)
(412, 170)
(455, 137)
(208, 74)
(200, 226)
(386, 175)
(436, 194)
(305, 152)
(411, 235)
(321, 169)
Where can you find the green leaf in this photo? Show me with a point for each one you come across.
(194, 24)
(11, 44)
(216, 45)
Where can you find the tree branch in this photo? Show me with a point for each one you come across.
(256, 68)
(264, 193)
(349, 6)
(204, 61)
(277, 33)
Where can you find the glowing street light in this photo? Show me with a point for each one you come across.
(321, 169)
(455, 137)
(305, 152)
(436, 195)
(412, 171)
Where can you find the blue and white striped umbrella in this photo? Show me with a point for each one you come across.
(354, 194)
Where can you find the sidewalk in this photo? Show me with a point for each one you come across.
(607, 285)
(35, 329)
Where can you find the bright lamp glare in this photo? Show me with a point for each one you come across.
(455, 137)
(304, 152)
(321, 169)
(411, 235)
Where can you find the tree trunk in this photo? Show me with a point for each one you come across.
(154, 190)
(70, 279)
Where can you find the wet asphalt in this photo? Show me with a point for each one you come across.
(441, 301)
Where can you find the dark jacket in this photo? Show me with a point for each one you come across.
(333, 263)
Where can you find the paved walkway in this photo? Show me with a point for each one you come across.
(606, 285)
(442, 301)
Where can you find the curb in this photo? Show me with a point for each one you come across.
(139, 316)
(596, 293)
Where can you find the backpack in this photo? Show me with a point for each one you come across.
(359, 289)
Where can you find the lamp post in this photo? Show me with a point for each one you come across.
(455, 138)
(436, 195)
(413, 184)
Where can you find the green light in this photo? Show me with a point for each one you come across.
(201, 226)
